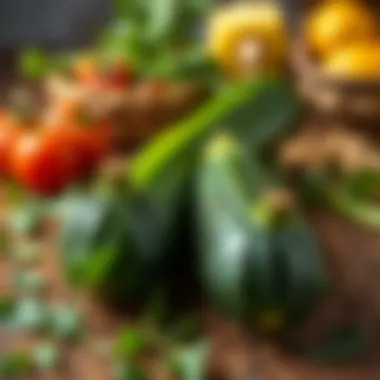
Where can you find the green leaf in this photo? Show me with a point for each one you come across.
(128, 371)
(359, 211)
(364, 185)
(29, 283)
(163, 16)
(190, 362)
(46, 357)
(130, 343)
(7, 305)
(157, 307)
(123, 40)
(29, 314)
(65, 322)
(193, 64)
(33, 63)
(14, 365)
(267, 118)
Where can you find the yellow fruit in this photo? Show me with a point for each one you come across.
(361, 60)
(337, 23)
(240, 36)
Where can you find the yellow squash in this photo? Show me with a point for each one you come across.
(357, 61)
(335, 24)
(243, 38)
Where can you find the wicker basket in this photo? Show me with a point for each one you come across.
(136, 114)
(342, 97)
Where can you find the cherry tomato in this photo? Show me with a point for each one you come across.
(41, 163)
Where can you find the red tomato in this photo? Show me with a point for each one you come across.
(41, 163)
(88, 145)
(9, 133)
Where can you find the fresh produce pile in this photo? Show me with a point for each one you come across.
(205, 202)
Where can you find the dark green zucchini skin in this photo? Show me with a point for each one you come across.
(300, 268)
(235, 249)
(266, 274)
(99, 238)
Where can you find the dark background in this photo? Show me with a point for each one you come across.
(50, 23)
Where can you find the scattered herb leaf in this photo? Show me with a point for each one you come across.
(14, 365)
(65, 322)
(29, 314)
(46, 357)
(29, 283)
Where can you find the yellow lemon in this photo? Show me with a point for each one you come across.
(361, 60)
(338, 23)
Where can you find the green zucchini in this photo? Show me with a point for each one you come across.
(98, 242)
(235, 248)
(253, 268)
